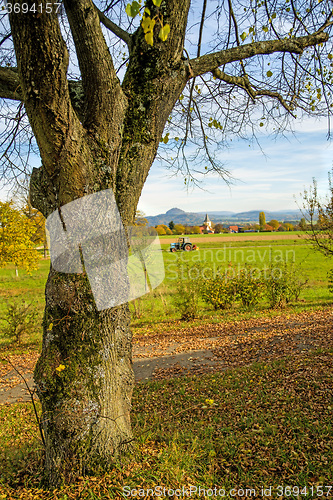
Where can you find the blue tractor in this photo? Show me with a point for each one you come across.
(182, 244)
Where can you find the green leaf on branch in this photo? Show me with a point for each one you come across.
(132, 9)
(214, 123)
(243, 36)
(164, 32)
(269, 74)
(157, 2)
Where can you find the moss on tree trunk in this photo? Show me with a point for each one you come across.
(84, 379)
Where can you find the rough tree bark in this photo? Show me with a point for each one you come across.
(94, 135)
(109, 142)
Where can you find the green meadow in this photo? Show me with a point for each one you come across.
(226, 258)
(217, 254)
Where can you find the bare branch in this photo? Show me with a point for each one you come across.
(240, 81)
(31, 393)
(201, 26)
(244, 83)
(209, 62)
(119, 32)
(188, 115)
(5, 38)
(234, 21)
(327, 23)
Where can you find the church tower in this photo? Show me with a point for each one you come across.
(207, 223)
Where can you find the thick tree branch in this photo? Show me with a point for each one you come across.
(119, 32)
(154, 79)
(209, 62)
(10, 87)
(97, 70)
(44, 86)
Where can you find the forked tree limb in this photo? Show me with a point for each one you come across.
(96, 66)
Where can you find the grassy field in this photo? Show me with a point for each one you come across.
(216, 252)
(257, 431)
(212, 256)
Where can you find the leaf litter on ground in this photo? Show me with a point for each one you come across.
(264, 419)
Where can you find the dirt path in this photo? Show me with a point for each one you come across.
(202, 349)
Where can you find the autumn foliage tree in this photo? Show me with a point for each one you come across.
(262, 221)
(179, 229)
(37, 220)
(16, 239)
(100, 93)
(274, 224)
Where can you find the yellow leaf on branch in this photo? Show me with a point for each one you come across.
(164, 32)
(149, 37)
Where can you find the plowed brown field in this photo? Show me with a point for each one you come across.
(235, 237)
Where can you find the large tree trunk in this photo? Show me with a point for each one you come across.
(94, 135)
(105, 139)
(84, 379)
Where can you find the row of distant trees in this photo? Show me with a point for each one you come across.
(272, 225)
(22, 228)
(275, 225)
(163, 229)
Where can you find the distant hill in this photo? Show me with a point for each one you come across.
(179, 216)
(173, 212)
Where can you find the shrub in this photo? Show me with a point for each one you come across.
(228, 287)
(21, 320)
(219, 291)
(249, 288)
(284, 286)
(188, 288)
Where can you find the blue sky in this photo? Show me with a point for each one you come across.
(264, 180)
(268, 180)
